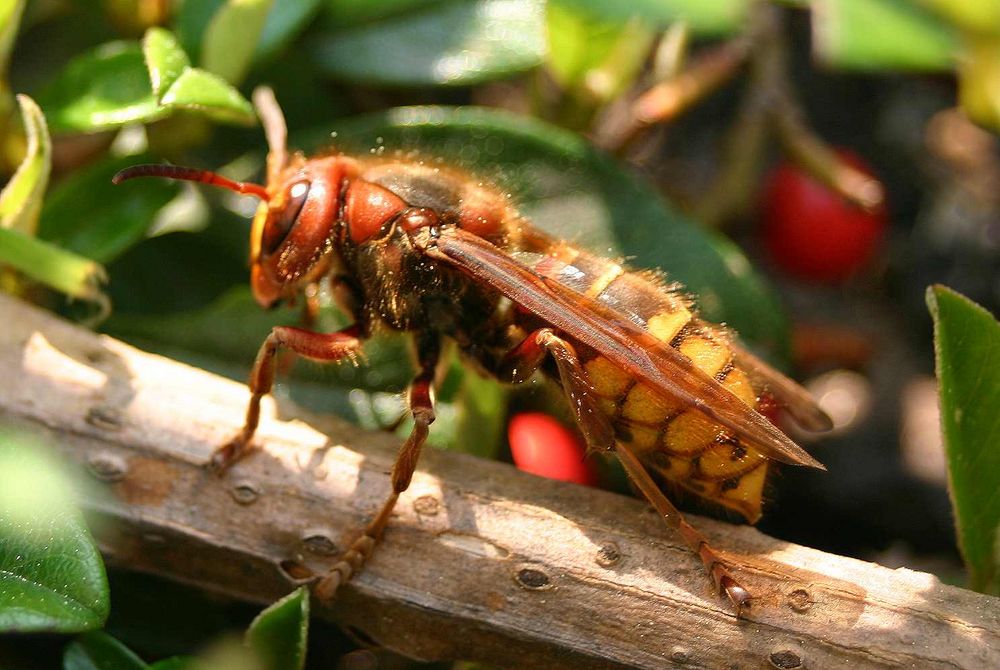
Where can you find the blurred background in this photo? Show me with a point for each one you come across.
(806, 168)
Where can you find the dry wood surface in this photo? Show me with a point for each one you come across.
(480, 561)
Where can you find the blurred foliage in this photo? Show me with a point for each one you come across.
(51, 576)
(967, 344)
(129, 81)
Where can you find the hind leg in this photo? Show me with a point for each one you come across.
(524, 359)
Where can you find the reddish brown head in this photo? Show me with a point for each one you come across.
(291, 242)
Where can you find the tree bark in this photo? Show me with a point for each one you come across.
(480, 561)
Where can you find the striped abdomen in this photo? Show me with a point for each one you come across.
(676, 442)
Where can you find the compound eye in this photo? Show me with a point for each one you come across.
(280, 225)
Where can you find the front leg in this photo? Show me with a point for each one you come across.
(344, 343)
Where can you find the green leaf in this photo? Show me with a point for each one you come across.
(575, 192)
(980, 16)
(979, 80)
(231, 38)
(174, 663)
(21, 198)
(210, 94)
(10, 19)
(455, 43)
(279, 633)
(881, 35)
(104, 88)
(348, 13)
(284, 21)
(578, 42)
(100, 651)
(967, 347)
(51, 575)
(703, 17)
(87, 214)
(57, 268)
(165, 59)
(482, 415)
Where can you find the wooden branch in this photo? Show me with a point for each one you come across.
(480, 561)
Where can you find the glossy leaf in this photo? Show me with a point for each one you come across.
(104, 88)
(284, 21)
(881, 35)
(967, 346)
(278, 635)
(165, 59)
(577, 193)
(703, 17)
(10, 19)
(100, 651)
(87, 214)
(208, 93)
(21, 198)
(51, 575)
(231, 37)
(348, 13)
(454, 43)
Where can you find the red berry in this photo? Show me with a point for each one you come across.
(812, 232)
(542, 446)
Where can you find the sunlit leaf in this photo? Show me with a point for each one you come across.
(279, 633)
(21, 198)
(57, 268)
(165, 59)
(703, 17)
(967, 344)
(103, 88)
(979, 80)
(210, 94)
(881, 34)
(231, 37)
(10, 19)
(51, 575)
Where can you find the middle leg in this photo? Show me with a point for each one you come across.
(421, 403)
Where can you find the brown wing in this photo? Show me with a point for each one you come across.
(794, 398)
(658, 364)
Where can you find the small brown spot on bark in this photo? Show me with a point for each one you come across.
(495, 601)
(800, 600)
(105, 418)
(317, 541)
(244, 492)
(426, 505)
(785, 659)
(608, 555)
(107, 467)
(149, 482)
(532, 579)
(680, 655)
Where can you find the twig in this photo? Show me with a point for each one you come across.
(481, 562)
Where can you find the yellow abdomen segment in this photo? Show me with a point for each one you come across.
(677, 443)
